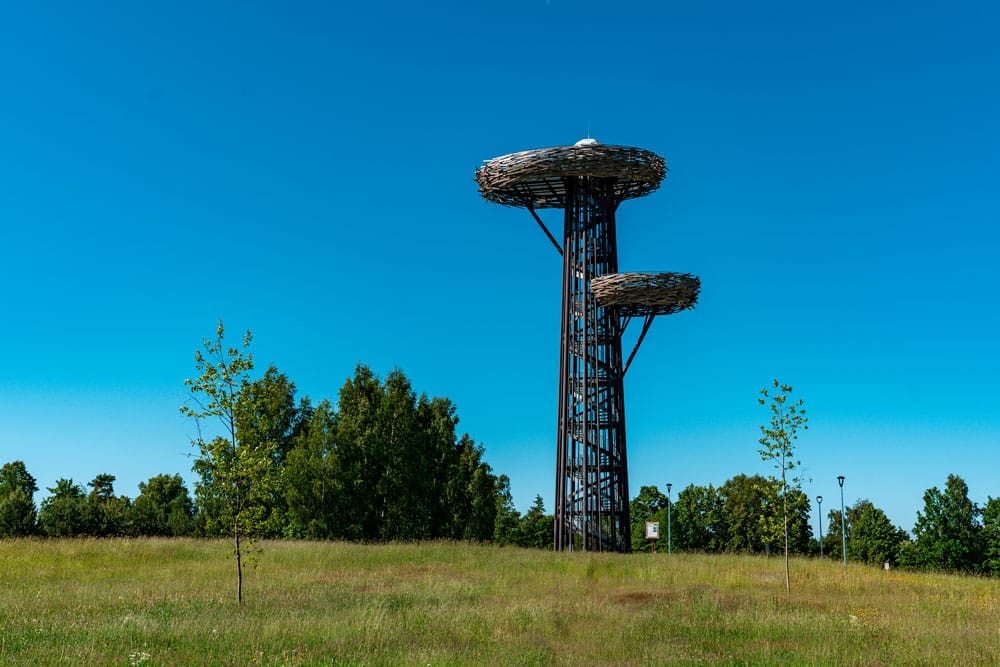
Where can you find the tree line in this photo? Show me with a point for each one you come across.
(744, 515)
(382, 464)
(387, 464)
(165, 508)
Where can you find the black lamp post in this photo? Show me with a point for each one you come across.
(843, 524)
(819, 502)
(668, 517)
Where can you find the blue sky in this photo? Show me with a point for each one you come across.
(306, 171)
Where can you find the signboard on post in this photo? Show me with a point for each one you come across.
(652, 530)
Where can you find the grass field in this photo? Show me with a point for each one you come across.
(158, 602)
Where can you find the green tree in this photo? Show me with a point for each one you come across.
(382, 472)
(749, 513)
(507, 517)
(481, 492)
(536, 527)
(873, 539)
(832, 537)
(698, 519)
(267, 420)
(401, 502)
(15, 475)
(777, 442)
(991, 537)
(400, 469)
(64, 513)
(947, 535)
(237, 478)
(163, 507)
(18, 517)
(311, 480)
(109, 514)
(267, 412)
(358, 448)
(452, 463)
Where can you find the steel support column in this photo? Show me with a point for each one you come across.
(591, 510)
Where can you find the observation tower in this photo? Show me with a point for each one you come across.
(589, 181)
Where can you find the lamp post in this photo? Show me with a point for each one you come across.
(843, 524)
(819, 502)
(669, 550)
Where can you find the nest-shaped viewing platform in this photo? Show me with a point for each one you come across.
(644, 294)
(535, 178)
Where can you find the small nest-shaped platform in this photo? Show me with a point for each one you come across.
(642, 294)
(535, 178)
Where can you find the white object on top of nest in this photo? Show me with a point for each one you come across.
(589, 141)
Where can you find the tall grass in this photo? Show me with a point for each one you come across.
(153, 602)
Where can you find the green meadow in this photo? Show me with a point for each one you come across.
(172, 602)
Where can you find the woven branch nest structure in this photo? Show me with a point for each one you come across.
(643, 294)
(535, 178)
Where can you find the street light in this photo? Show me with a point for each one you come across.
(668, 517)
(843, 524)
(819, 502)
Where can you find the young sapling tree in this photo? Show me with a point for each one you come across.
(236, 476)
(777, 440)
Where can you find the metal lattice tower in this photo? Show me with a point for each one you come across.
(589, 181)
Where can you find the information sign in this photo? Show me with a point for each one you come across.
(652, 530)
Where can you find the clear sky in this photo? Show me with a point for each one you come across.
(305, 170)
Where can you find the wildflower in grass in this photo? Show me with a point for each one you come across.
(138, 658)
